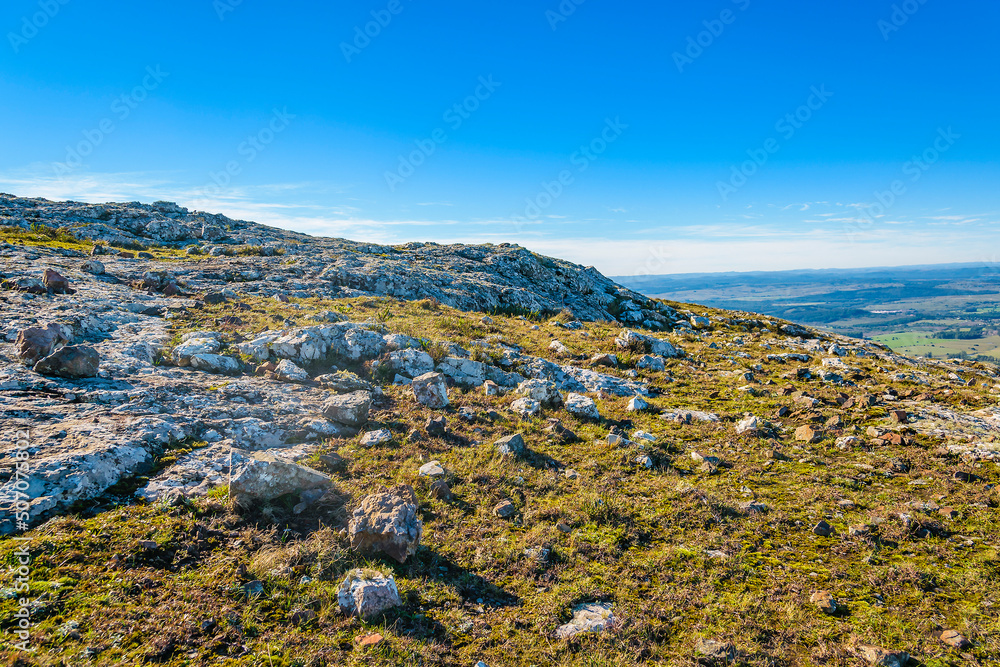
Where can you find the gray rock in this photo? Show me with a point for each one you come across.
(543, 391)
(410, 362)
(714, 652)
(289, 372)
(387, 522)
(377, 437)
(511, 445)
(93, 266)
(349, 409)
(366, 594)
(71, 361)
(219, 364)
(430, 389)
(593, 617)
(526, 407)
(431, 469)
(582, 406)
(260, 476)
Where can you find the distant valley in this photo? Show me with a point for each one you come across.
(944, 310)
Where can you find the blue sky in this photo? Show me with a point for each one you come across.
(637, 137)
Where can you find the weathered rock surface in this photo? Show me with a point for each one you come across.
(387, 522)
(431, 390)
(366, 594)
(259, 476)
(70, 361)
(592, 617)
(349, 409)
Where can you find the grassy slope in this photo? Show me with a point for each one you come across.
(636, 537)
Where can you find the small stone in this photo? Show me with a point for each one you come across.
(808, 434)
(823, 529)
(604, 360)
(491, 388)
(876, 655)
(432, 469)
(593, 617)
(899, 416)
(637, 404)
(439, 489)
(93, 266)
(954, 639)
(644, 461)
(436, 426)
(289, 372)
(749, 426)
(348, 409)
(511, 445)
(261, 476)
(35, 343)
(367, 641)
(713, 652)
(570, 474)
(253, 589)
(505, 509)
(824, 602)
(302, 617)
(378, 437)
(366, 593)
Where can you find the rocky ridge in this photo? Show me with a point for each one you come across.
(524, 453)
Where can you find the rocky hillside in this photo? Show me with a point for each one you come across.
(505, 278)
(227, 444)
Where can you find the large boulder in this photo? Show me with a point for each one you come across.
(71, 361)
(259, 476)
(387, 522)
(366, 593)
(348, 409)
(430, 389)
(37, 342)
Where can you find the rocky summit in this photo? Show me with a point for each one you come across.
(230, 444)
